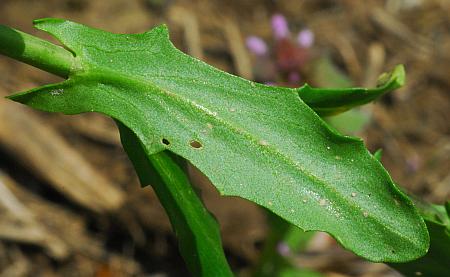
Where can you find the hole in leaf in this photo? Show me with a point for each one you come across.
(165, 141)
(195, 144)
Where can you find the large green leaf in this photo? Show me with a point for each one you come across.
(258, 142)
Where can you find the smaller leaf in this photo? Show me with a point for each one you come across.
(299, 272)
(333, 101)
(378, 154)
(436, 262)
(350, 122)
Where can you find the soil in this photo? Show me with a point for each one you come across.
(50, 227)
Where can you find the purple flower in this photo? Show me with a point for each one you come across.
(283, 249)
(293, 77)
(305, 38)
(280, 26)
(256, 45)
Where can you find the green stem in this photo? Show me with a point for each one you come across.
(196, 229)
(35, 51)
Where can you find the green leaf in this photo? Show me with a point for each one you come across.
(436, 262)
(350, 122)
(299, 272)
(197, 231)
(332, 101)
(258, 142)
(378, 154)
(326, 74)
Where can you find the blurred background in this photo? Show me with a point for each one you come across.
(70, 202)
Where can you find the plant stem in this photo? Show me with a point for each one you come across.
(35, 51)
(196, 229)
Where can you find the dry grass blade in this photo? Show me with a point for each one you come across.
(20, 224)
(36, 221)
(236, 44)
(189, 22)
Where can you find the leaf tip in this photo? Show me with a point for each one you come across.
(378, 154)
(395, 79)
(161, 30)
(399, 75)
(44, 23)
(15, 97)
(302, 89)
